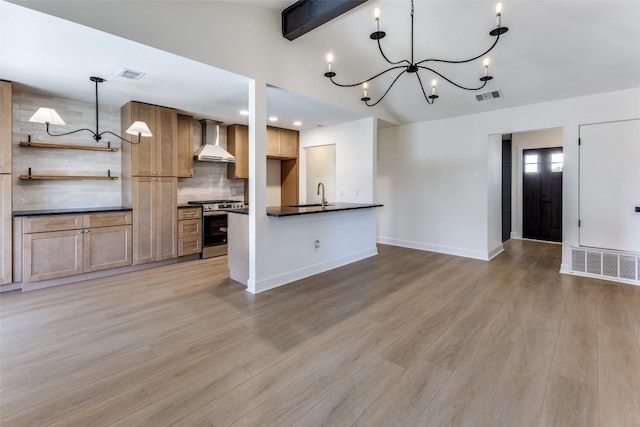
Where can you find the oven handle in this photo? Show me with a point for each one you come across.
(214, 213)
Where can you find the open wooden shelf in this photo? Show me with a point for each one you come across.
(66, 146)
(67, 177)
(30, 177)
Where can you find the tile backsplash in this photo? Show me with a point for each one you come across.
(35, 195)
(209, 181)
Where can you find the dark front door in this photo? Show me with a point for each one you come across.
(542, 194)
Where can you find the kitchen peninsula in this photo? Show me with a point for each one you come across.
(302, 241)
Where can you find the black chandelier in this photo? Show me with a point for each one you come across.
(413, 67)
(49, 116)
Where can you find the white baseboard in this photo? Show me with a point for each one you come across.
(292, 276)
(601, 277)
(515, 235)
(495, 252)
(466, 253)
(564, 268)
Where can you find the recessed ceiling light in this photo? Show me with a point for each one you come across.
(298, 123)
(244, 113)
(273, 119)
(130, 74)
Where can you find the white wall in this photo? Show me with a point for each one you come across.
(355, 158)
(520, 141)
(435, 177)
(321, 168)
(344, 237)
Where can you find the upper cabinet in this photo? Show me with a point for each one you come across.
(5, 127)
(282, 143)
(185, 146)
(238, 146)
(157, 155)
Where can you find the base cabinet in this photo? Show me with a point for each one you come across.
(154, 203)
(51, 255)
(189, 231)
(107, 247)
(65, 245)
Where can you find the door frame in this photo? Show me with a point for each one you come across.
(523, 141)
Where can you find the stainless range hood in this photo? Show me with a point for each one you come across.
(212, 152)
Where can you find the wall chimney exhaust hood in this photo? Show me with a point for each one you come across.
(212, 152)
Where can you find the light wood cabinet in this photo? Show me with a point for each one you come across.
(154, 202)
(189, 231)
(5, 126)
(185, 146)
(51, 255)
(107, 247)
(273, 142)
(289, 144)
(58, 246)
(238, 146)
(282, 143)
(157, 155)
(5, 230)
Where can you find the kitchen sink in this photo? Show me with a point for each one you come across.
(310, 205)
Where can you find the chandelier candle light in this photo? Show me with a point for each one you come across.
(49, 116)
(413, 67)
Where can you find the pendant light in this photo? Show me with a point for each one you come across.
(49, 116)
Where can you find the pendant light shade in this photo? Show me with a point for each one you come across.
(47, 115)
(139, 128)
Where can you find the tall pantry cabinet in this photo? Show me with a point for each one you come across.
(5, 182)
(150, 182)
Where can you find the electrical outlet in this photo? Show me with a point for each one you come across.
(317, 244)
(357, 192)
(342, 191)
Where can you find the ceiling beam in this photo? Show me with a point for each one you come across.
(305, 15)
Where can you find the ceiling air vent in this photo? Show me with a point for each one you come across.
(130, 74)
(494, 94)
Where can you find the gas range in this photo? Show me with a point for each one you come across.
(213, 207)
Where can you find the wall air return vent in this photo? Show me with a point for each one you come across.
(611, 265)
(486, 96)
(130, 74)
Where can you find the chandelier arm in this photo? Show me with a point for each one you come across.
(388, 89)
(68, 133)
(118, 136)
(426, 98)
(388, 60)
(462, 61)
(484, 83)
(367, 80)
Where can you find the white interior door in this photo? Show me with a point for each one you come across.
(321, 167)
(610, 185)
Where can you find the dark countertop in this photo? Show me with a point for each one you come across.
(69, 211)
(292, 211)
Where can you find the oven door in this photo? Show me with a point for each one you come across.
(214, 234)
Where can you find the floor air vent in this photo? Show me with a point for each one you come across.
(494, 94)
(606, 264)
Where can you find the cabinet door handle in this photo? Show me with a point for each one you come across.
(637, 208)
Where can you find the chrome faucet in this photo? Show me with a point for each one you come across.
(323, 201)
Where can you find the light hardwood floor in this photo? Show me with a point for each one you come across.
(407, 338)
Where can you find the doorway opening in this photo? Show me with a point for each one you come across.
(321, 168)
(506, 187)
(542, 194)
